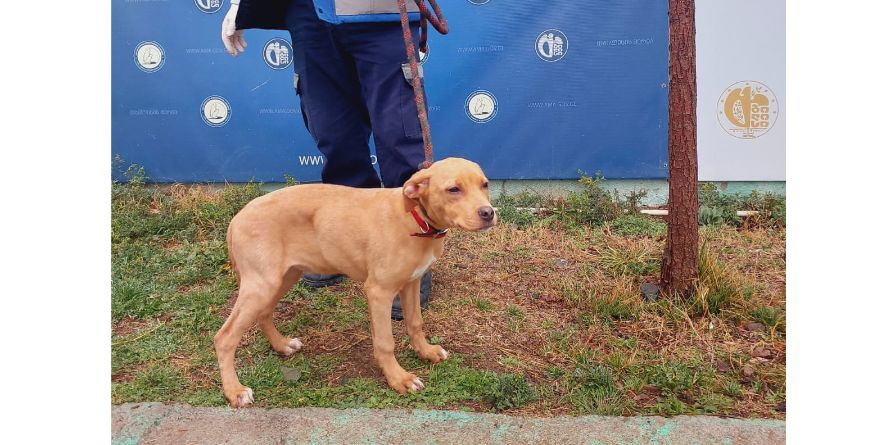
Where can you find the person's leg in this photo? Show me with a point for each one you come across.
(332, 107)
(378, 53)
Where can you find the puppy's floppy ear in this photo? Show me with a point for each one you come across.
(417, 185)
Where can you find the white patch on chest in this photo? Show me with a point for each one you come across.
(420, 270)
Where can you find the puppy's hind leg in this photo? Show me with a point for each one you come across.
(256, 300)
(282, 345)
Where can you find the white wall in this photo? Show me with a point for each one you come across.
(738, 41)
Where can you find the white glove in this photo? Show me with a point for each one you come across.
(231, 37)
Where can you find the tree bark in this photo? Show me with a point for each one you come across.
(679, 267)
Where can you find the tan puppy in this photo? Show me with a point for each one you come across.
(378, 236)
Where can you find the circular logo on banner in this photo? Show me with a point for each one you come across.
(278, 53)
(208, 6)
(478, 2)
(149, 56)
(747, 109)
(216, 111)
(481, 106)
(551, 45)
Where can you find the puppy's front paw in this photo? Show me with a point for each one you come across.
(433, 354)
(406, 383)
(241, 398)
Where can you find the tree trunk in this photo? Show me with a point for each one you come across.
(679, 267)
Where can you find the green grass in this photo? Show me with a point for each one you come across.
(719, 287)
(509, 391)
(638, 225)
(446, 383)
(591, 346)
(770, 316)
(681, 387)
(630, 260)
(717, 208)
(595, 206)
(608, 309)
(593, 389)
(159, 382)
(482, 304)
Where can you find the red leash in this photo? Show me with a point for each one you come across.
(439, 23)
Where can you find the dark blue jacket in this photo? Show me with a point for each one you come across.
(262, 14)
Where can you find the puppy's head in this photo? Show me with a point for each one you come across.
(455, 193)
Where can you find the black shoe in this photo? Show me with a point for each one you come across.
(423, 298)
(320, 280)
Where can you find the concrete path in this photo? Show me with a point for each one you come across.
(156, 423)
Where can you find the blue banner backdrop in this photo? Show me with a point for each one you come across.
(528, 89)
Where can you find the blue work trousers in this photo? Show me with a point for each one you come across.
(351, 85)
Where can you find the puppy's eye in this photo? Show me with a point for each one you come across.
(453, 190)
(486, 185)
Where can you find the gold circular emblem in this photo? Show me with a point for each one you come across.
(747, 109)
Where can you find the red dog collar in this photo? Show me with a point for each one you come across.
(427, 230)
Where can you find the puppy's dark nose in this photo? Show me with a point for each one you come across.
(486, 213)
